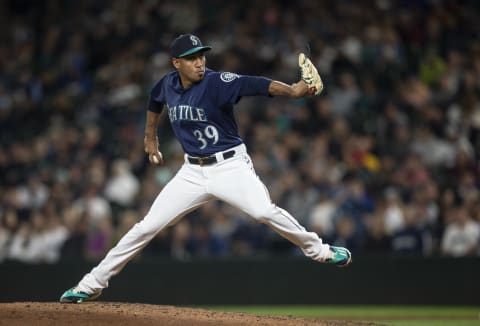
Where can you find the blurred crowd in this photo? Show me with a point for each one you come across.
(385, 161)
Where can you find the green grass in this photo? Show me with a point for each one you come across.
(386, 315)
(431, 323)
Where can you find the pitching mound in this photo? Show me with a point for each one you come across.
(106, 313)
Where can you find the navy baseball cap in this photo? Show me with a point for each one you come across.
(187, 44)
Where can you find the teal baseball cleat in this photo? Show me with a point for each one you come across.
(341, 256)
(73, 295)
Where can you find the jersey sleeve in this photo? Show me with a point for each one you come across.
(231, 87)
(156, 99)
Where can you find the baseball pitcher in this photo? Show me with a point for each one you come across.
(199, 103)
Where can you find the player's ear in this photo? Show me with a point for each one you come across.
(176, 63)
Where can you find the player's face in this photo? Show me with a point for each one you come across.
(191, 68)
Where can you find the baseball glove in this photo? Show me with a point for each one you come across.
(310, 75)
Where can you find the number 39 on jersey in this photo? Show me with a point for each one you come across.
(209, 135)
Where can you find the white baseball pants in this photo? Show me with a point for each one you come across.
(233, 181)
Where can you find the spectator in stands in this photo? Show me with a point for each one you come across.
(413, 238)
(462, 234)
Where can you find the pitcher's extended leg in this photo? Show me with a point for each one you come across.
(182, 194)
(248, 193)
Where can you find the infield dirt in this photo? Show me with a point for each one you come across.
(109, 313)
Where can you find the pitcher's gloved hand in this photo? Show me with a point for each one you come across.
(310, 75)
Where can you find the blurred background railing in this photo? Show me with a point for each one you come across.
(369, 280)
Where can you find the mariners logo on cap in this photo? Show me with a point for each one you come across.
(194, 40)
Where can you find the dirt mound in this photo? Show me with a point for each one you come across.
(108, 313)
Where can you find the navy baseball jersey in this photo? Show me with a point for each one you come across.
(202, 116)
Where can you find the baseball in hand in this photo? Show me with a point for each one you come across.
(154, 158)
